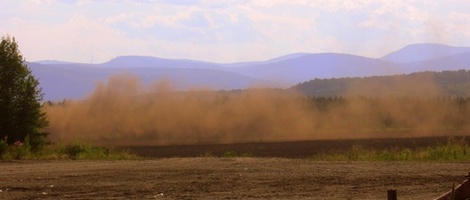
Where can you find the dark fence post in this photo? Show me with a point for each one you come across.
(391, 195)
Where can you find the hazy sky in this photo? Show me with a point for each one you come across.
(94, 31)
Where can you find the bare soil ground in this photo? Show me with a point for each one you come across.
(226, 178)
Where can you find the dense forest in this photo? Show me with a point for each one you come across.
(422, 84)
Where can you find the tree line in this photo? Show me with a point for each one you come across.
(22, 120)
(445, 83)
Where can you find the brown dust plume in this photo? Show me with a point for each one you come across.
(125, 112)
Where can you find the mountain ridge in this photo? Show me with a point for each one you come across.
(423, 51)
(62, 80)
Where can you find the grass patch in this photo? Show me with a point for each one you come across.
(85, 151)
(227, 154)
(74, 151)
(453, 150)
(207, 154)
(230, 154)
(234, 154)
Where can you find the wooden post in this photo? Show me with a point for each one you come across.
(391, 195)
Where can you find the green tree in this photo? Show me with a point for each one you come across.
(21, 115)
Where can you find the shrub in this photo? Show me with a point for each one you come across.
(74, 150)
(3, 148)
(230, 154)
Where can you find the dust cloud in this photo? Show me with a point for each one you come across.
(126, 112)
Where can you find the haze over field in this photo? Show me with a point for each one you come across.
(150, 72)
(119, 112)
(125, 112)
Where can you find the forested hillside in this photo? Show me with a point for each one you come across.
(422, 84)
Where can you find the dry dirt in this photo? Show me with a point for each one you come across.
(226, 178)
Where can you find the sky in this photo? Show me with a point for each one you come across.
(96, 31)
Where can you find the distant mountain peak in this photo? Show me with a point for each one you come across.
(288, 57)
(129, 59)
(53, 62)
(423, 51)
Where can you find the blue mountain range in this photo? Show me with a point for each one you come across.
(65, 80)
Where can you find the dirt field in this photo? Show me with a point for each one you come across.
(226, 178)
